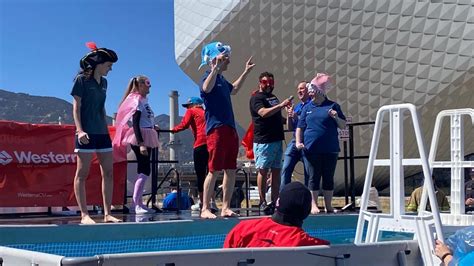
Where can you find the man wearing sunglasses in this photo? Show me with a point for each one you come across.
(265, 109)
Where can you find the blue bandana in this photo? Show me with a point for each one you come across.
(212, 50)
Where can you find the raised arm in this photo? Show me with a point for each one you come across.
(341, 123)
(238, 82)
(210, 81)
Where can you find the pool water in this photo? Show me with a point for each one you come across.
(198, 234)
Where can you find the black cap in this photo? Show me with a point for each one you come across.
(293, 205)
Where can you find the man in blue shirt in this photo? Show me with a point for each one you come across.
(292, 154)
(222, 138)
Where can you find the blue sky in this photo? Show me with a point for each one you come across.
(43, 40)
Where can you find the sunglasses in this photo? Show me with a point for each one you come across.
(266, 82)
(146, 82)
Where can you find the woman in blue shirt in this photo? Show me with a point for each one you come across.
(318, 126)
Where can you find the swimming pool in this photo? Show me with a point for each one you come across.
(85, 241)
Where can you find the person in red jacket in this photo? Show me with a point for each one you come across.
(283, 228)
(195, 118)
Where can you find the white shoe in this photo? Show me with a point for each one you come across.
(196, 207)
(143, 210)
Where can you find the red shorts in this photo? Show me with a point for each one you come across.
(223, 147)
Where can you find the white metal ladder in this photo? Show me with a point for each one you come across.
(457, 216)
(422, 224)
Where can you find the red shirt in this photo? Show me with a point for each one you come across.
(194, 118)
(265, 232)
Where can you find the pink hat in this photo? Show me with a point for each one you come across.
(321, 82)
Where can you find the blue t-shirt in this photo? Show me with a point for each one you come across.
(297, 110)
(320, 130)
(218, 103)
(170, 201)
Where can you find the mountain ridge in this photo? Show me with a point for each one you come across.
(23, 107)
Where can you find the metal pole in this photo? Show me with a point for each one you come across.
(346, 174)
(154, 177)
(352, 164)
(173, 121)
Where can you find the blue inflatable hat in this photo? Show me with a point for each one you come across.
(212, 50)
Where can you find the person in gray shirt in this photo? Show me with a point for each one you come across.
(92, 136)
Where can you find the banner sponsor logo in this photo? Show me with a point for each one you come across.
(5, 158)
(27, 157)
(33, 195)
(38, 166)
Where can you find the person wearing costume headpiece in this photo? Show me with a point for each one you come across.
(318, 126)
(222, 138)
(92, 135)
(283, 228)
(141, 137)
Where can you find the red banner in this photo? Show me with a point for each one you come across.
(38, 164)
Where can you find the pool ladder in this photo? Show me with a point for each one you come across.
(457, 215)
(422, 225)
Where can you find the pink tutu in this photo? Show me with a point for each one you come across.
(150, 137)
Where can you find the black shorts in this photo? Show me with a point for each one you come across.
(97, 143)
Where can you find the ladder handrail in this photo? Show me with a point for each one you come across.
(457, 156)
(396, 161)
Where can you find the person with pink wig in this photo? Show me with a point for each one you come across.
(141, 137)
(318, 126)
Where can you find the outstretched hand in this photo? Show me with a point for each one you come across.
(249, 65)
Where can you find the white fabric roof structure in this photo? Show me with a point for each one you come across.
(379, 52)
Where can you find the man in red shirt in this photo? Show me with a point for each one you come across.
(194, 118)
(283, 229)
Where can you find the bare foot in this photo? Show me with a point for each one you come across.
(207, 214)
(228, 213)
(86, 219)
(314, 209)
(110, 219)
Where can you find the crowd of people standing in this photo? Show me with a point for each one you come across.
(315, 119)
